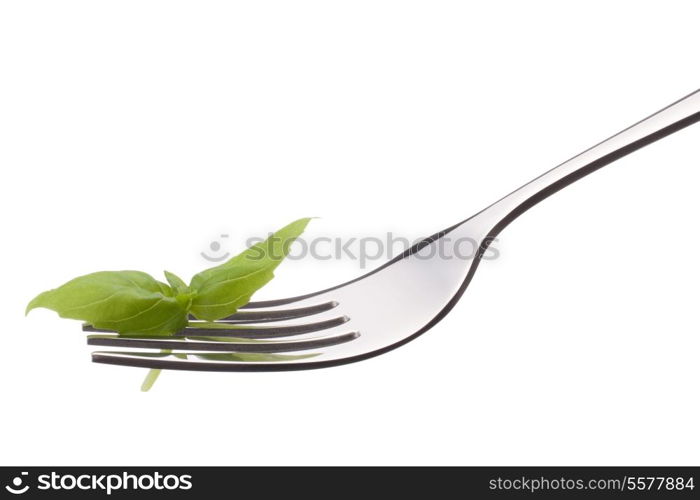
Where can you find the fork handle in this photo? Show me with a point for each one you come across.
(669, 120)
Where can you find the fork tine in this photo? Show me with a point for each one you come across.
(214, 362)
(277, 315)
(268, 331)
(237, 345)
(270, 303)
(249, 332)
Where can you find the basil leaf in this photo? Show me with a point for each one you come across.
(123, 301)
(176, 282)
(221, 290)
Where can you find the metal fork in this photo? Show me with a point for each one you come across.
(387, 307)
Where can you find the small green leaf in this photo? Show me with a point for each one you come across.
(123, 301)
(221, 290)
(176, 282)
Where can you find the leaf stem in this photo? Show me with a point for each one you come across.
(152, 375)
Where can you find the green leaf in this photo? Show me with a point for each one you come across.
(176, 282)
(221, 290)
(123, 301)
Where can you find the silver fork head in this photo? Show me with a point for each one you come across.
(357, 320)
(410, 294)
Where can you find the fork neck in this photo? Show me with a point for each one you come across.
(669, 120)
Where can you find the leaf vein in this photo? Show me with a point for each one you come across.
(91, 304)
(137, 314)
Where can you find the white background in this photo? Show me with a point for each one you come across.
(133, 133)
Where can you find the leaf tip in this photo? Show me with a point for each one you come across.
(33, 304)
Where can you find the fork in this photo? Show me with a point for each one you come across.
(385, 308)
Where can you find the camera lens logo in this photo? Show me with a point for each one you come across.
(215, 246)
(16, 488)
